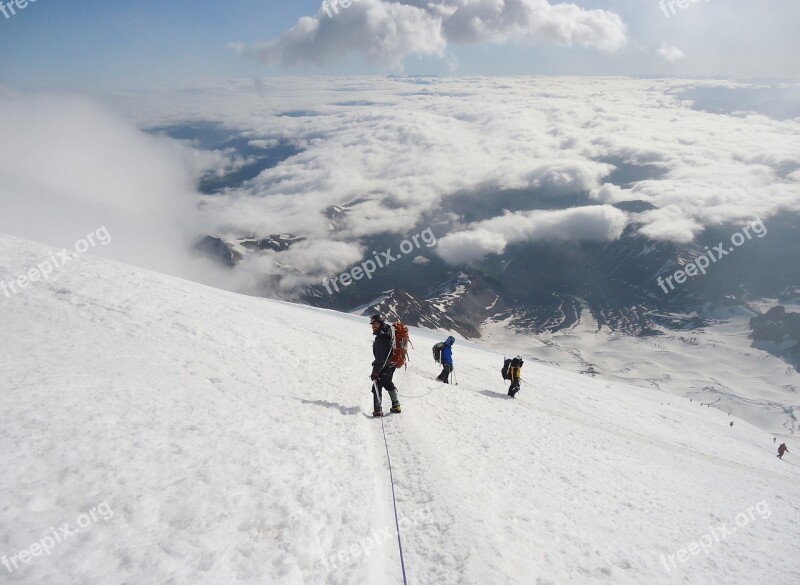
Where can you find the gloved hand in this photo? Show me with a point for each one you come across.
(375, 376)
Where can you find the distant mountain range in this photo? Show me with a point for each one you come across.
(531, 288)
(545, 287)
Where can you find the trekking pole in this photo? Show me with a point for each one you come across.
(455, 378)
(377, 394)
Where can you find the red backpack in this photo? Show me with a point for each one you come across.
(399, 354)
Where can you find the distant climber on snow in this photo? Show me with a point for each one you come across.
(383, 367)
(443, 354)
(512, 370)
(781, 450)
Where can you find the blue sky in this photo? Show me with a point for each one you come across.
(93, 44)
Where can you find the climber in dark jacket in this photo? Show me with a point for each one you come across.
(382, 371)
(781, 450)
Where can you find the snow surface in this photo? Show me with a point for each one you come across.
(714, 365)
(229, 436)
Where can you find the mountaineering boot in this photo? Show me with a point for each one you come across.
(395, 409)
(377, 413)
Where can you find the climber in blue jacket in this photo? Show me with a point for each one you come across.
(447, 360)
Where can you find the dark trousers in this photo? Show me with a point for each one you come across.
(514, 388)
(384, 381)
(445, 375)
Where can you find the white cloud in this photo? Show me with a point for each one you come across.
(596, 222)
(536, 20)
(671, 53)
(599, 222)
(468, 246)
(610, 193)
(386, 32)
(311, 261)
(670, 223)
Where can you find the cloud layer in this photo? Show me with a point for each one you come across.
(401, 151)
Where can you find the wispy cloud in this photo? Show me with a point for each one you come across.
(671, 53)
(73, 164)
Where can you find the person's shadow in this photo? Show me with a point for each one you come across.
(345, 410)
(491, 394)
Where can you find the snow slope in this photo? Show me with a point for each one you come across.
(715, 365)
(227, 439)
